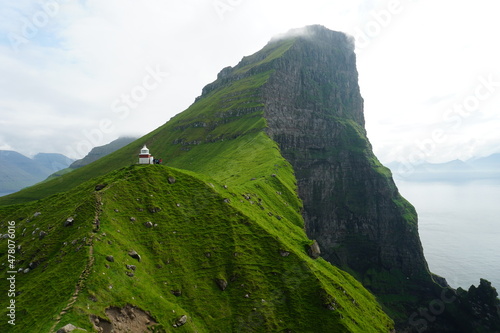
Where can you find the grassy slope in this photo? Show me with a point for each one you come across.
(243, 240)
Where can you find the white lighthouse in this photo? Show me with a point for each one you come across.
(145, 157)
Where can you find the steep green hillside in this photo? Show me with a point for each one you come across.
(194, 237)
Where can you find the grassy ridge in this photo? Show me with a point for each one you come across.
(199, 237)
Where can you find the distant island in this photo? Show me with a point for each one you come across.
(484, 168)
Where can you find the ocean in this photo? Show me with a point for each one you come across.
(459, 226)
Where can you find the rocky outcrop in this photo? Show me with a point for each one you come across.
(314, 250)
(69, 222)
(67, 328)
(126, 319)
(180, 321)
(221, 283)
(135, 255)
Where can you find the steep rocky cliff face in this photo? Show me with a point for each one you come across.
(351, 206)
(314, 110)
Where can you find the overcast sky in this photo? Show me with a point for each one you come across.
(76, 74)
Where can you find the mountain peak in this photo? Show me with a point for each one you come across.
(318, 63)
(315, 32)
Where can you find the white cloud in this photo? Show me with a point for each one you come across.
(63, 81)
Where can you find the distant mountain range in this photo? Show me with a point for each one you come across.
(18, 171)
(485, 168)
(101, 151)
(95, 154)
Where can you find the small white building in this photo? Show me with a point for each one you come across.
(145, 157)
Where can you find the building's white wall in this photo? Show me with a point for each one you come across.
(146, 160)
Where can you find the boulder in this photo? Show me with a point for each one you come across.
(33, 265)
(99, 187)
(135, 255)
(154, 209)
(148, 224)
(284, 253)
(67, 328)
(180, 321)
(221, 283)
(314, 250)
(110, 258)
(69, 222)
(171, 180)
(176, 293)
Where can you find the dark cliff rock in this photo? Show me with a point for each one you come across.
(351, 206)
(314, 111)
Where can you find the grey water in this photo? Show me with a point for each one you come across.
(459, 226)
